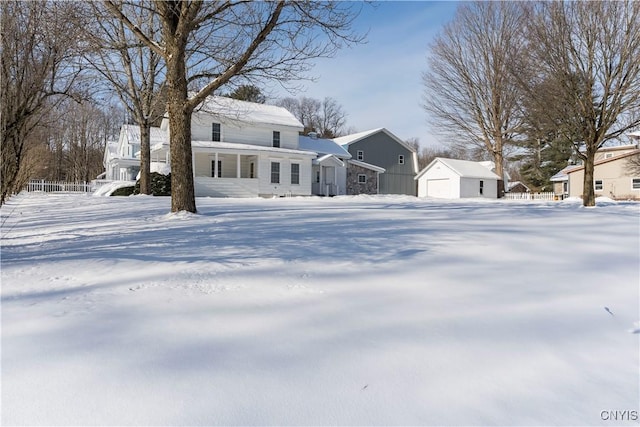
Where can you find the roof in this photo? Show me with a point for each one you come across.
(367, 166)
(350, 139)
(250, 112)
(562, 174)
(133, 134)
(635, 134)
(463, 168)
(232, 146)
(602, 161)
(516, 183)
(322, 146)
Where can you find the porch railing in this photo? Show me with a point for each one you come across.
(531, 196)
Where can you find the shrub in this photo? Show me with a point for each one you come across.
(160, 185)
(123, 191)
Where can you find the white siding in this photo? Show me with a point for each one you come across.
(470, 187)
(242, 133)
(284, 188)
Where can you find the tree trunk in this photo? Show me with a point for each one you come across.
(182, 184)
(588, 193)
(145, 158)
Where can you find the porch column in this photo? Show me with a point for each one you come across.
(321, 183)
(238, 166)
(215, 165)
(193, 164)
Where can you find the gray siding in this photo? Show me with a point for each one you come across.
(382, 150)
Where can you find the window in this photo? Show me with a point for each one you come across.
(275, 173)
(213, 168)
(252, 170)
(295, 173)
(360, 155)
(598, 184)
(215, 132)
(635, 183)
(318, 176)
(481, 187)
(362, 179)
(608, 155)
(276, 138)
(401, 159)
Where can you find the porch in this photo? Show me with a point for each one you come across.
(226, 174)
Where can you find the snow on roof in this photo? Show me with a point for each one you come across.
(133, 134)
(247, 147)
(322, 146)
(249, 111)
(562, 174)
(367, 166)
(635, 134)
(464, 168)
(350, 139)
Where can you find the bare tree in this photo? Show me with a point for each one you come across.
(590, 53)
(38, 68)
(206, 45)
(470, 95)
(326, 118)
(134, 72)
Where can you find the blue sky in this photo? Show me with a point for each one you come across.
(379, 83)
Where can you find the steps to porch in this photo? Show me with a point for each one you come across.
(226, 187)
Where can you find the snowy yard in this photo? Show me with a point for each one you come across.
(342, 311)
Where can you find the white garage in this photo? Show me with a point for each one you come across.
(456, 179)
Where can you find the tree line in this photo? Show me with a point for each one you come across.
(542, 82)
(539, 83)
(158, 57)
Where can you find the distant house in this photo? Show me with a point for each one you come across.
(382, 149)
(456, 179)
(122, 157)
(611, 175)
(518, 187)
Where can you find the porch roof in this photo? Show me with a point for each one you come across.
(232, 147)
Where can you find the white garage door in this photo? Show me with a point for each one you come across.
(439, 188)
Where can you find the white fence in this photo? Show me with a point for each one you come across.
(530, 196)
(58, 186)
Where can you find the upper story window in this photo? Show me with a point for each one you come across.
(216, 134)
(401, 159)
(608, 155)
(276, 138)
(635, 183)
(360, 155)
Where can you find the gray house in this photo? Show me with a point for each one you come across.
(381, 148)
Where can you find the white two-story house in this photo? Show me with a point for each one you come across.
(244, 149)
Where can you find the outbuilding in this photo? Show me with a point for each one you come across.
(456, 179)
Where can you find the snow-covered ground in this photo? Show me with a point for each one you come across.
(341, 311)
